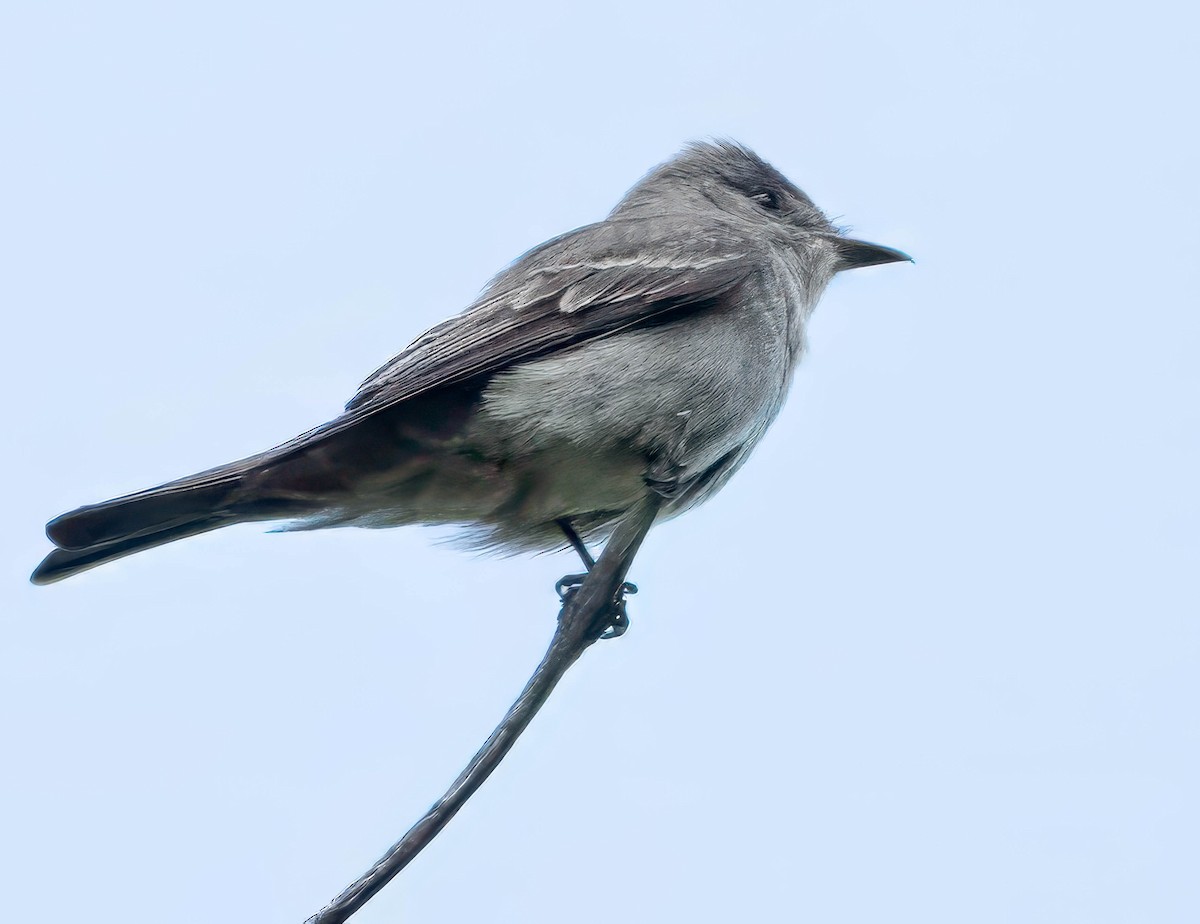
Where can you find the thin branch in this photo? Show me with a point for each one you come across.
(584, 617)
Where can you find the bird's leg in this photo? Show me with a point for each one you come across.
(576, 543)
(568, 584)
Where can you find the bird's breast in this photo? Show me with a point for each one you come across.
(687, 392)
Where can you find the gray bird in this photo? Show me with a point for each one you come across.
(648, 352)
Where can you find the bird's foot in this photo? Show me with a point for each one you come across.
(568, 585)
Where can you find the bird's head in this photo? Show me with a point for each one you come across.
(735, 180)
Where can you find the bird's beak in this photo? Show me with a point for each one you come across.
(854, 254)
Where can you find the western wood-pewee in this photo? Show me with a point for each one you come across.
(646, 352)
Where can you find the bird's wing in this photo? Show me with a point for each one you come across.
(589, 283)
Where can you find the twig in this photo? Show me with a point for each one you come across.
(584, 617)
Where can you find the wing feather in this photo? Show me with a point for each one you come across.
(586, 284)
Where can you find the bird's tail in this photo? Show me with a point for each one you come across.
(312, 474)
(103, 532)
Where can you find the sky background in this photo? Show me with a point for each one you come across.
(932, 656)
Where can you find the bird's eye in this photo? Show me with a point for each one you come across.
(767, 199)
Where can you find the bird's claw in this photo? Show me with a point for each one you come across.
(568, 585)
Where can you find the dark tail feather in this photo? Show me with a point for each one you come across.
(62, 563)
(303, 476)
(99, 533)
(144, 514)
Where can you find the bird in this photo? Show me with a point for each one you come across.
(646, 353)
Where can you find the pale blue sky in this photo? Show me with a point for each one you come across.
(932, 656)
